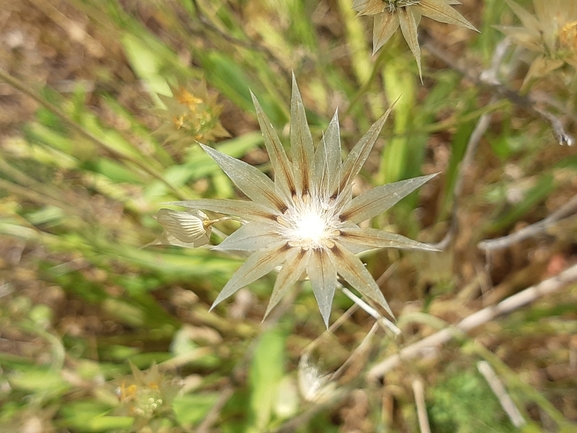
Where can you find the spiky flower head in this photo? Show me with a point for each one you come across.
(551, 33)
(192, 113)
(306, 221)
(389, 15)
(145, 395)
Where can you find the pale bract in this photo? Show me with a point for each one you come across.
(389, 15)
(306, 220)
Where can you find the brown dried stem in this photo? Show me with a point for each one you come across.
(431, 343)
(419, 393)
(490, 81)
(500, 392)
(480, 128)
(568, 209)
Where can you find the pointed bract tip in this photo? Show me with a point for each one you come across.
(382, 120)
(296, 93)
(326, 320)
(395, 102)
(253, 97)
(204, 147)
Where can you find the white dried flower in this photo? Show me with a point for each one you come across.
(306, 220)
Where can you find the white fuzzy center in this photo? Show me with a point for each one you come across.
(311, 227)
(309, 224)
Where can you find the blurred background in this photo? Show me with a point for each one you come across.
(100, 106)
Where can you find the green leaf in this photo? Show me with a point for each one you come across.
(115, 172)
(192, 408)
(39, 380)
(266, 373)
(544, 187)
(89, 416)
(223, 73)
(147, 65)
(400, 86)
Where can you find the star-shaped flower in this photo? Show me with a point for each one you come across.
(306, 221)
(551, 32)
(391, 14)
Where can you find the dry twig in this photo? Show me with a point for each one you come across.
(490, 80)
(532, 230)
(212, 417)
(482, 125)
(472, 145)
(431, 343)
(500, 392)
(419, 393)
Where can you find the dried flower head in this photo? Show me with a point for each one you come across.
(389, 15)
(551, 32)
(192, 113)
(306, 220)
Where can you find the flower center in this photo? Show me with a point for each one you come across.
(311, 227)
(308, 224)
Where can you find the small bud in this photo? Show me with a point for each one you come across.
(189, 229)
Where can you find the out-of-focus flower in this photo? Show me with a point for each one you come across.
(145, 395)
(551, 33)
(314, 385)
(306, 220)
(389, 15)
(191, 113)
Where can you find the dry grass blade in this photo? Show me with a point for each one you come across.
(419, 393)
(532, 230)
(530, 294)
(501, 393)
